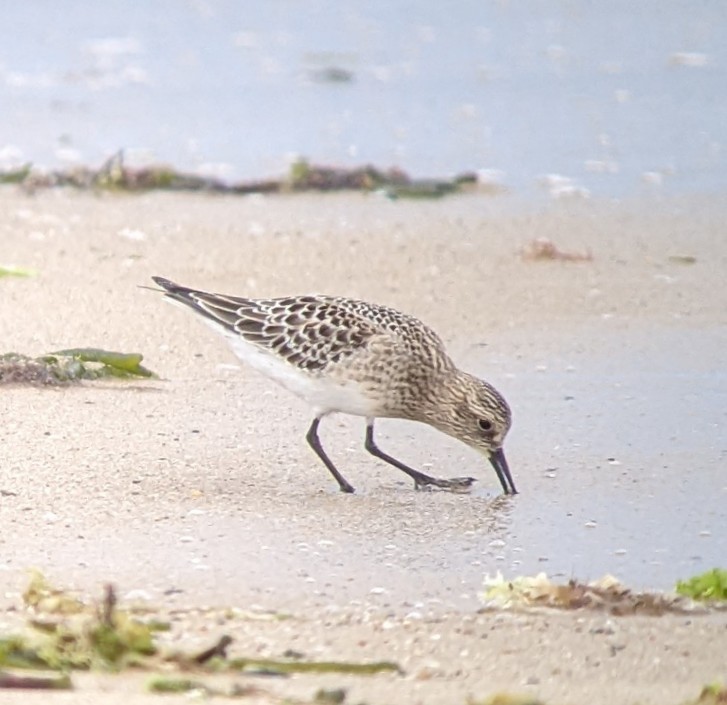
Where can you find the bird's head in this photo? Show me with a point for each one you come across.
(475, 413)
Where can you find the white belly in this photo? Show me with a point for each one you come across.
(324, 394)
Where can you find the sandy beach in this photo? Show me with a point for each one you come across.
(197, 489)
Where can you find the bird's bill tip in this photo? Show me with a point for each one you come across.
(162, 282)
(499, 462)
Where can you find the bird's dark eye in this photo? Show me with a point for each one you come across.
(485, 425)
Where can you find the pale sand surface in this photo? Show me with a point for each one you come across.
(198, 488)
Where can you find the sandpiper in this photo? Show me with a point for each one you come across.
(350, 356)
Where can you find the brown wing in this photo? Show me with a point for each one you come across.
(310, 332)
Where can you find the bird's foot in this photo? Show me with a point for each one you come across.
(455, 484)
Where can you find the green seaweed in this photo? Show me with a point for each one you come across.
(166, 685)
(120, 638)
(79, 644)
(53, 682)
(66, 366)
(10, 270)
(298, 173)
(16, 176)
(175, 685)
(286, 667)
(507, 699)
(115, 175)
(421, 189)
(708, 586)
(15, 652)
(67, 634)
(115, 363)
(713, 694)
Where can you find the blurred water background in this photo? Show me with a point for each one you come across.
(566, 97)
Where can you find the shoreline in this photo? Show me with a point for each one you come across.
(200, 481)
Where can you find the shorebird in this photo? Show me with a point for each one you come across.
(350, 356)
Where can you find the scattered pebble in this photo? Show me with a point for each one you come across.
(692, 59)
(652, 177)
(132, 234)
(542, 249)
(563, 187)
(601, 166)
(137, 594)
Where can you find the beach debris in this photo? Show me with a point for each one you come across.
(606, 594)
(330, 67)
(68, 366)
(507, 699)
(705, 587)
(114, 364)
(219, 650)
(714, 694)
(116, 175)
(691, 59)
(165, 685)
(64, 633)
(15, 175)
(542, 249)
(332, 74)
(21, 369)
(304, 176)
(330, 696)
(393, 183)
(132, 234)
(43, 598)
(10, 270)
(282, 667)
(178, 685)
(26, 682)
(683, 259)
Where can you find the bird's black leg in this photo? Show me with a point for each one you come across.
(420, 479)
(314, 442)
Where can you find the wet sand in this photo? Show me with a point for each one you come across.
(198, 488)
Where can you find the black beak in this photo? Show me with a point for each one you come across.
(497, 458)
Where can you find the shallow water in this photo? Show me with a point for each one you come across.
(633, 471)
(616, 97)
(623, 472)
(626, 477)
(618, 450)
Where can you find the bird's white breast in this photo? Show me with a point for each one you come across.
(322, 392)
